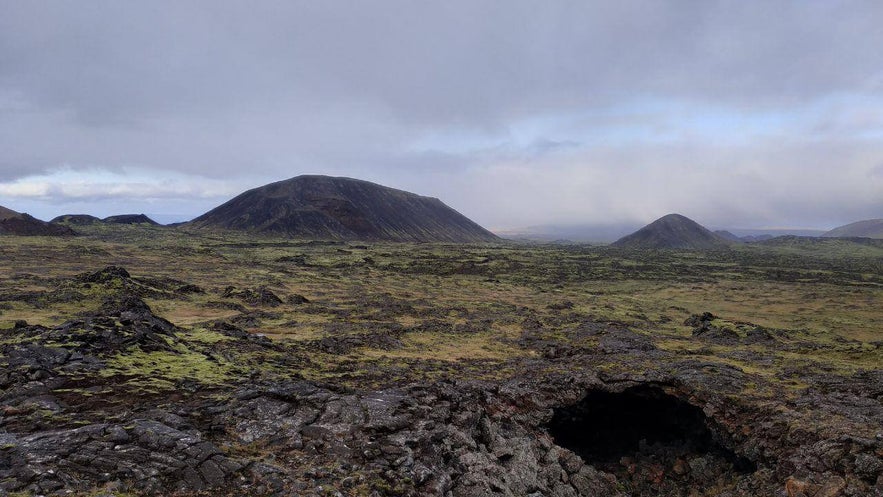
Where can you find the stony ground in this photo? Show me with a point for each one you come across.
(139, 360)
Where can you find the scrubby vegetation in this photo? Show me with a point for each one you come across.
(771, 339)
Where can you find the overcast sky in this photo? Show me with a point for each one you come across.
(737, 113)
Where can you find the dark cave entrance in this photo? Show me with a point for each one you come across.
(651, 440)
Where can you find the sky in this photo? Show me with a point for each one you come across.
(516, 113)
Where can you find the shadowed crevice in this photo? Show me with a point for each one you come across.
(646, 437)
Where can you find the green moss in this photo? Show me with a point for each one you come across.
(823, 295)
(203, 335)
(161, 370)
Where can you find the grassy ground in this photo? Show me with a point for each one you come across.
(457, 310)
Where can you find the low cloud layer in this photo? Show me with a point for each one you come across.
(735, 113)
(70, 185)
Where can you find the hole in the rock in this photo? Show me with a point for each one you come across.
(644, 432)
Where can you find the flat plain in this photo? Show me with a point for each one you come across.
(305, 367)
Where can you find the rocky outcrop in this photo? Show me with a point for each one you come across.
(76, 415)
(155, 456)
(261, 296)
(439, 438)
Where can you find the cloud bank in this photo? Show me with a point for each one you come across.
(516, 113)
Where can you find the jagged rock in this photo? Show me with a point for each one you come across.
(234, 331)
(147, 453)
(262, 296)
(189, 288)
(702, 328)
(229, 329)
(466, 438)
(104, 275)
(699, 320)
(758, 334)
(833, 487)
(65, 426)
(619, 341)
(122, 323)
(296, 299)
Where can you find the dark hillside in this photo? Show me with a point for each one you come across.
(870, 228)
(15, 223)
(75, 219)
(130, 219)
(322, 207)
(673, 231)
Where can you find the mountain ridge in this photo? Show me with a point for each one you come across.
(868, 228)
(17, 223)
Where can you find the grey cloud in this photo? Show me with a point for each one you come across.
(266, 90)
(814, 184)
(466, 62)
(60, 192)
(543, 145)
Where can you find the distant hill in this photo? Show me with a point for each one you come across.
(16, 223)
(758, 238)
(573, 233)
(831, 247)
(871, 228)
(130, 219)
(75, 219)
(726, 235)
(673, 231)
(327, 208)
